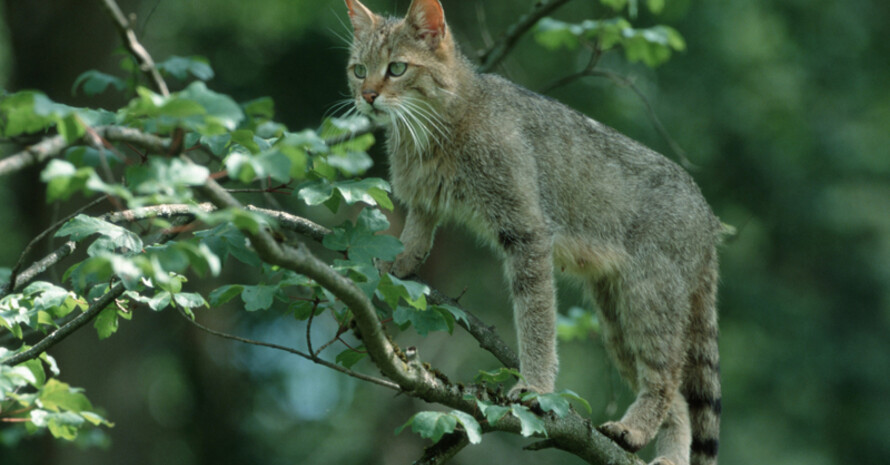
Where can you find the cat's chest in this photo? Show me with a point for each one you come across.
(435, 183)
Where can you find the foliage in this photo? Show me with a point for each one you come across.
(241, 139)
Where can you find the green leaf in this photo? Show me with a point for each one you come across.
(24, 113)
(360, 242)
(431, 425)
(190, 300)
(262, 108)
(455, 312)
(160, 301)
(106, 322)
(82, 226)
(471, 426)
(350, 163)
(568, 394)
(63, 179)
(530, 423)
(502, 375)
(95, 82)
(393, 289)
(246, 138)
(316, 193)
(551, 402)
(372, 191)
(224, 294)
(424, 321)
(492, 412)
(227, 239)
(63, 425)
(259, 297)
(35, 366)
(179, 107)
(218, 106)
(350, 357)
(182, 67)
(57, 396)
(70, 127)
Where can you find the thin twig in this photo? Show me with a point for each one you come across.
(44, 264)
(53, 146)
(493, 56)
(346, 371)
(15, 269)
(146, 63)
(675, 147)
(591, 71)
(64, 331)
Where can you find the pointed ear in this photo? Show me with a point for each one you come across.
(428, 18)
(362, 18)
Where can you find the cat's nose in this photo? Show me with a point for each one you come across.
(370, 96)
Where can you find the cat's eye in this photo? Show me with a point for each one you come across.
(360, 71)
(397, 68)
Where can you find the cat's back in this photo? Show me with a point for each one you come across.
(589, 175)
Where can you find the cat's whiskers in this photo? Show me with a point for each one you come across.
(424, 112)
(348, 103)
(418, 136)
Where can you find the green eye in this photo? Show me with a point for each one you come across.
(397, 68)
(360, 71)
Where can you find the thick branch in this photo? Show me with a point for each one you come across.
(299, 259)
(571, 433)
(492, 57)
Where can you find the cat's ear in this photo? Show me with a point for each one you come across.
(362, 18)
(428, 19)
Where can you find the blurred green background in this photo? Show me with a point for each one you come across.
(783, 105)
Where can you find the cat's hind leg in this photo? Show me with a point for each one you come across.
(651, 315)
(675, 438)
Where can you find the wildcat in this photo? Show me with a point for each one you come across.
(552, 189)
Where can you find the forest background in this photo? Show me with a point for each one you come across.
(783, 106)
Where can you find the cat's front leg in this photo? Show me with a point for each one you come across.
(529, 267)
(417, 236)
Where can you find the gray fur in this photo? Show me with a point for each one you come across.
(552, 189)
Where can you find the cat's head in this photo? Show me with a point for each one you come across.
(403, 70)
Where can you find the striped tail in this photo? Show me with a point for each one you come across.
(701, 388)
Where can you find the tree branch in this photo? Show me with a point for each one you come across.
(128, 36)
(484, 334)
(325, 363)
(444, 450)
(493, 56)
(13, 277)
(65, 330)
(571, 433)
(53, 146)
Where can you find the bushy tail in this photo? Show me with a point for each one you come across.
(701, 388)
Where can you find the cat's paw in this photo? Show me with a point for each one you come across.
(521, 388)
(630, 439)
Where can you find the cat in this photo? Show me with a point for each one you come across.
(553, 190)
